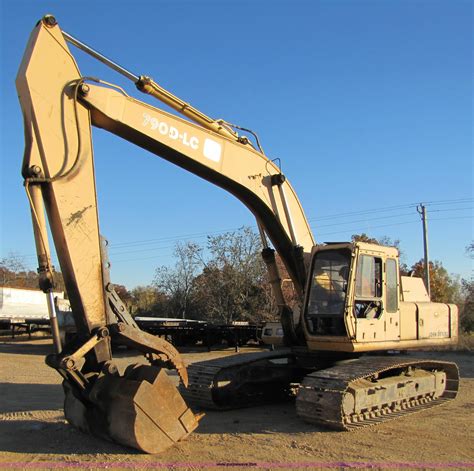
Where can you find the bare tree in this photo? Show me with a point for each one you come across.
(14, 273)
(177, 282)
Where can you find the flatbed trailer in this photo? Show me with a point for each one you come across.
(189, 332)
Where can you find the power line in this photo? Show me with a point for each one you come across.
(205, 234)
(138, 243)
(391, 208)
(355, 231)
(359, 213)
(170, 238)
(389, 217)
(436, 203)
(450, 209)
(365, 220)
(136, 259)
(446, 219)
(154, 249)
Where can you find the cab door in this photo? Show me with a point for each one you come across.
(368, 306)
(375, 307)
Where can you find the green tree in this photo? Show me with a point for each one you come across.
(233, 283)
(444, 288)
(466, 313)
(123, 294)
(387, 241)
(147, 301)
(363, 238)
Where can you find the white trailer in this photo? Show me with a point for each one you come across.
(24, 308)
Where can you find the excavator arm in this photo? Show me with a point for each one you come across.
(138, 407)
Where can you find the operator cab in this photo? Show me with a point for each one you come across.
(350, 288)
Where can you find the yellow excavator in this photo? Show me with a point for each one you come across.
(352, 301)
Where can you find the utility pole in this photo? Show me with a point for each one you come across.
(421, 208)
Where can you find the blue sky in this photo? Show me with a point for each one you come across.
(368, 104)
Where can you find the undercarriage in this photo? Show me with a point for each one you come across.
(349, 394)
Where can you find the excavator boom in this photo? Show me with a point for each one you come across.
(237, 168)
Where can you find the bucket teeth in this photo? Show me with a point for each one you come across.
(142, 409)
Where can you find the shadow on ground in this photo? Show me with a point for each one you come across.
(26, 347)
(58, 437)
(54, 436)
(268, 419)
(17, 397)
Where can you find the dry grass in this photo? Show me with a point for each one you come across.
(466, 342)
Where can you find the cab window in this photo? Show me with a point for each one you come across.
(328, 291)
(369, 277)
(392, 285)
(368, 288)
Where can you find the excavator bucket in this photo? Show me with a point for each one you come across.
(141, 409)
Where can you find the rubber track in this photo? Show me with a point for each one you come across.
(202, 376)
(321, 394)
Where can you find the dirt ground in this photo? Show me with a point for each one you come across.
(34, 434)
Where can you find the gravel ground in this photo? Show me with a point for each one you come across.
(34, 434)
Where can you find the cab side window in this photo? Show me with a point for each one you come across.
(392, 285)
(369, 277)
(368, 289)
